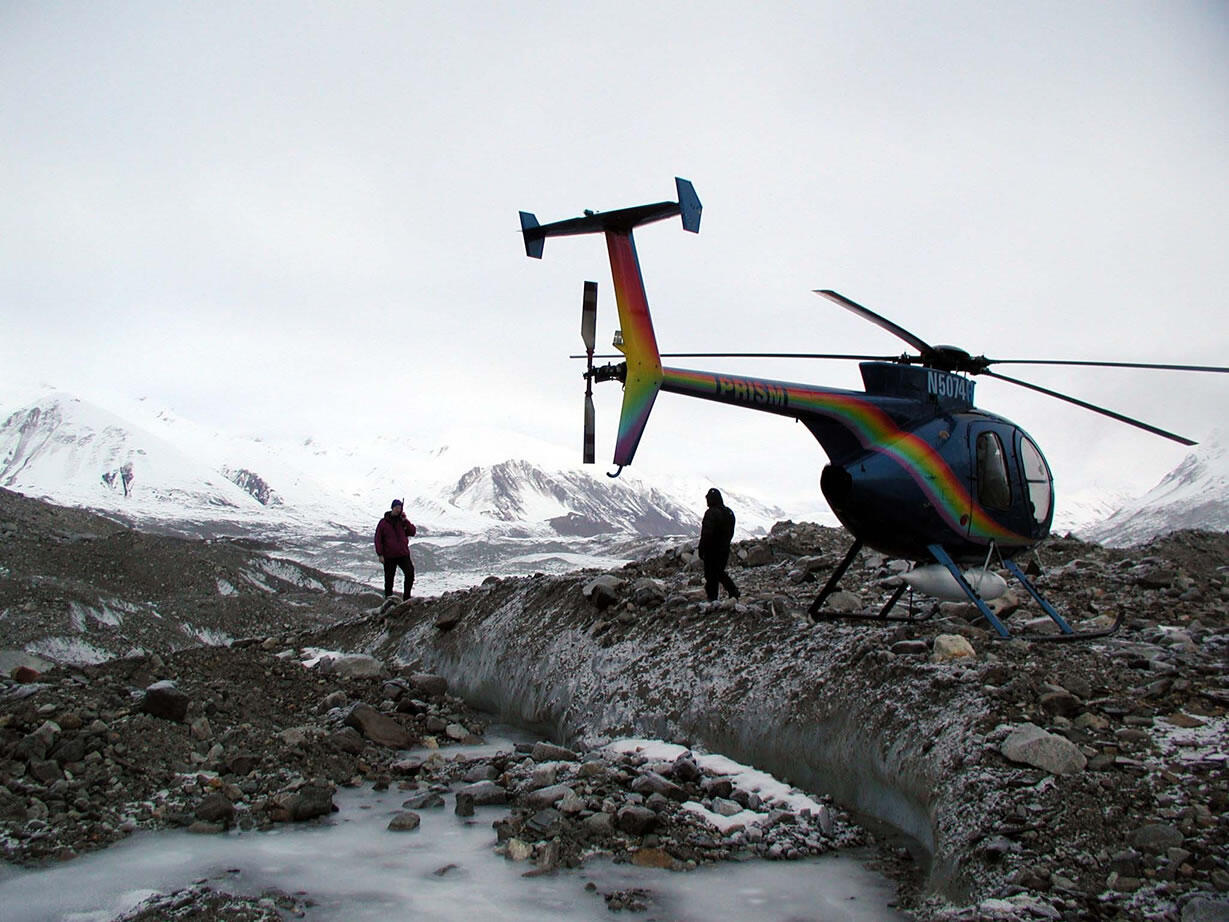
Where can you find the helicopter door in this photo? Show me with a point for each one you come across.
(991, 470)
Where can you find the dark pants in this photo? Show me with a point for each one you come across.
(714, 573)
(390, 574)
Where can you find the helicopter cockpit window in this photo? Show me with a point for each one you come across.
(1037, 475)
(993, 490)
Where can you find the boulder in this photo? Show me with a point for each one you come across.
(480, 771)
(757, 555)
(648, 592)
(448, 619)
(405, 821)
(599, 824)
(843, 601)
(548, 797)
(949, 647)
(636, 820)
(602, 591)
(1204, 908)
(652, 783)
(215, 808)
(1157, 837)
(423, 800)
(549, 752)
(166, 701)
(24, 675)
(1031, 745)
(308, 802)
(347, 739)
(352, 666)
(379, 728)
(485, 793)
(685, 768)
(429, 684)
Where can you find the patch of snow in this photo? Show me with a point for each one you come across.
(311, 656)
(744, 777)
(104, 615)
(210, 637)
(290, 573)
(70, 650)
(258, 580)
(1204, 743)
(724, 824)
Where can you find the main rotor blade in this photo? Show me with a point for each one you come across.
(1096, 409)
(1212, 368)
(895, 329)
(588, 316)
(756, 355)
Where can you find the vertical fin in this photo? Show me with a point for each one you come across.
(639, 345)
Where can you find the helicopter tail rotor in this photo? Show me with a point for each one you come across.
(588, 333)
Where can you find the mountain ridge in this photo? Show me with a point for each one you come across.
(166, 474)
(1194, 495)
(493, 501)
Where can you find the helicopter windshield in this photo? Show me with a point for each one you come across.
(1037, 476)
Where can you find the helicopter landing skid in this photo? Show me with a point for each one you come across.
(884, 613)
(1066, 632)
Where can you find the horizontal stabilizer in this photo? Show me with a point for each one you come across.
(624, 220)
(689, 205)
(533, 241)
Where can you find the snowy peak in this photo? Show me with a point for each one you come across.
(571, 503)
(69, 450)
(1194, 495)
(72, 452)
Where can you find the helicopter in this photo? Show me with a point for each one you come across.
(914, 470)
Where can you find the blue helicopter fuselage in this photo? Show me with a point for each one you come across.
(911, 462)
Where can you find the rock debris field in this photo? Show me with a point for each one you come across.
(1061, 781)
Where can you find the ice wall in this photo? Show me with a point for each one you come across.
(826, 708)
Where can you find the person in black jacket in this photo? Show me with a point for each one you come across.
(716, 533)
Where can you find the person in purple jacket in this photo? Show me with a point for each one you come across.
(393, 536)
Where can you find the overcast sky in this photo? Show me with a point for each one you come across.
(301, 218)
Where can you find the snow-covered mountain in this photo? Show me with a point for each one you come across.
(1076, 512)
(491, 500)
(72, 452)
(1195, 494)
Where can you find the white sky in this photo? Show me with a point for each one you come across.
(300, 218)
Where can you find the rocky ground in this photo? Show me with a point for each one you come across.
(78, 587)
(1068, 780)
(249, 737)
(1114, 808)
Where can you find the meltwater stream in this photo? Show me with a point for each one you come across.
(352, 867)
